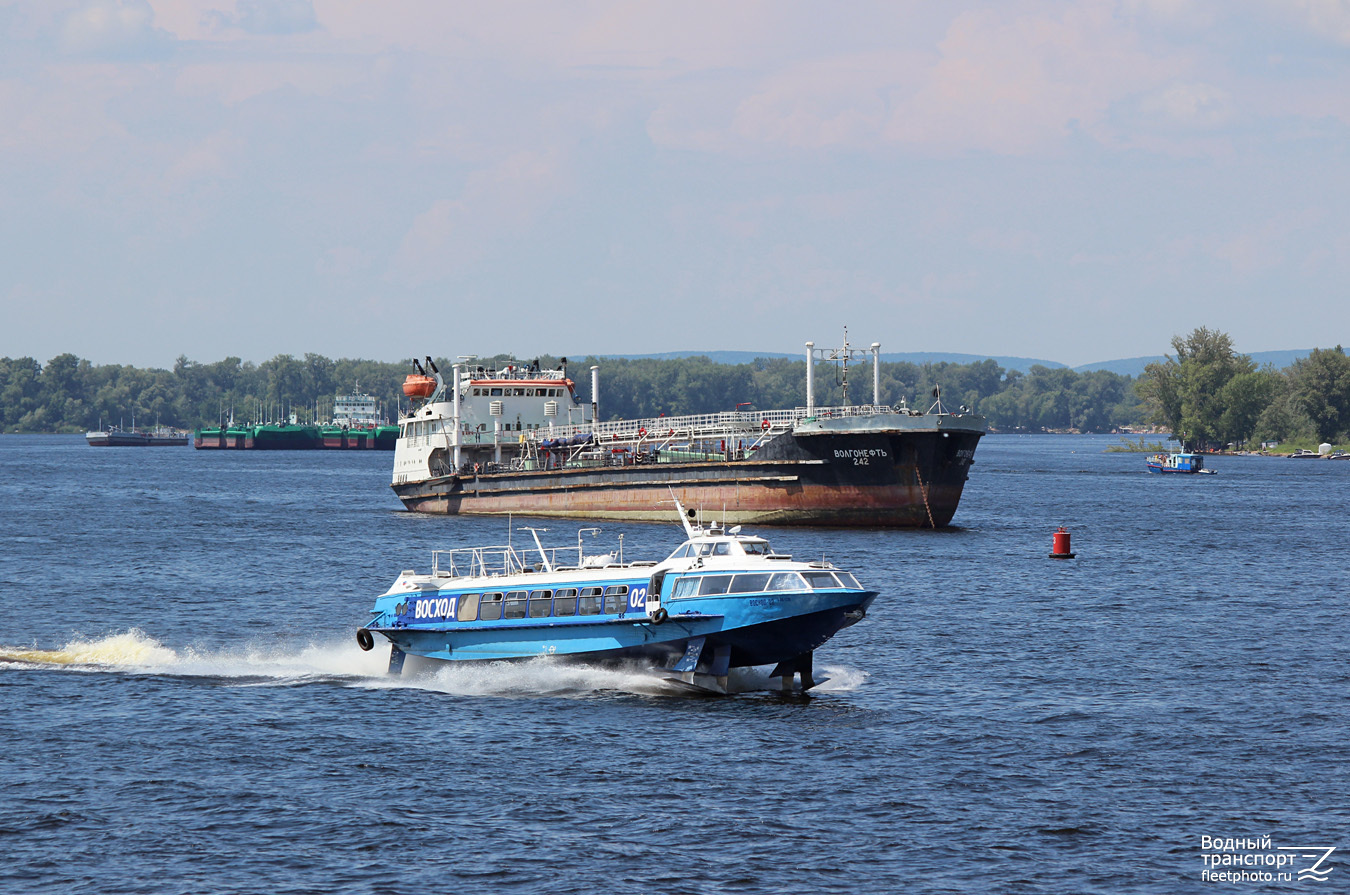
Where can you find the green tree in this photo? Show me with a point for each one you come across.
(1186, 393)
(1321, 384)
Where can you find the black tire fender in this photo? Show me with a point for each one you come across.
(660, 615)
(365, 639)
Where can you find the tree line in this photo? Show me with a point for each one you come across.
(1210, 396)
(69, 394)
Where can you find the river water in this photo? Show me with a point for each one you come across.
(199, 718)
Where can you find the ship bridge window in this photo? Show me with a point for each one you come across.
(723, 548)
(705, 549)
(541, 603)
(565, 602)
(515, 604)
(680, 553)
(821, 580)
(713, 585)
(614, 599)
(468, 607)
(589, 601)
(751, 584)
(490, 608)
(786, 581)
(756, 548)
(496, 393)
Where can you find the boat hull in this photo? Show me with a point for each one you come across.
(761, 631)
(904, 479)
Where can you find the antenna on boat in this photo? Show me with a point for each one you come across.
(684, 515)
(548, 566)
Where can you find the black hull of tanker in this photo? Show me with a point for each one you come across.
(898, 479)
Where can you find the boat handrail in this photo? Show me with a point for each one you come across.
(501, 560)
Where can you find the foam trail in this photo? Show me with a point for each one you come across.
(280, 663)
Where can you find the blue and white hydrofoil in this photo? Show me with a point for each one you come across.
(721, 600)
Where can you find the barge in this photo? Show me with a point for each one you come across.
(518, 440)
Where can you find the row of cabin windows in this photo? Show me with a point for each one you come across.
(518, 392)
(418, 428)
(561, 603)
(760, 582)
(721, 548)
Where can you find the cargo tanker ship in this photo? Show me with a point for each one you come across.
(518, 440)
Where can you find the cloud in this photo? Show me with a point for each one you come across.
(114, 30)
(266, 17)
(496, 208)
(1191, 105)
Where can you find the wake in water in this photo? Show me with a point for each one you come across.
(134, 652)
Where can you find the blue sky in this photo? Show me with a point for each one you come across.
(1073, 181)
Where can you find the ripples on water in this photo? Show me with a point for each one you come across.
(186, 709)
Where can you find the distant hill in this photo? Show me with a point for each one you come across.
(1134, 366)
(914, 357)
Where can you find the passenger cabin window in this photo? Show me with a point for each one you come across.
(820, 580)
(515, 605)
(712, 585)
(565, 602)
(468, 607)
(685, 587)
(590, 601)
(540, 603)
(848, 580)
(787, 581)
(751, 584)
(615, 599)
(490, 609)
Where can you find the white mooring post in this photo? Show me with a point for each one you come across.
(810, 379)
(454, 371)
(595, 400)
(876, 374)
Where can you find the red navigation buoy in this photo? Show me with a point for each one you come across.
(1061, 548)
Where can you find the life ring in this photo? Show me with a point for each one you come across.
(642, 433)
(764, 425)
(364, 639)
(658, 616)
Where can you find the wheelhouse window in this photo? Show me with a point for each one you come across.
(565, 602)
(756, 548)
(590, 601)
(615, 599)
(515, 604)
(468, 608)
(541, 603)
(682, 552)
(490, 608)
(722, 549)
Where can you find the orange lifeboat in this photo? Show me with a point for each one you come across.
(417, 385)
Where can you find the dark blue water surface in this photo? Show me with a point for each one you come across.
(1001, 721)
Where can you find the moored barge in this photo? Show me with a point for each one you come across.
(518, 440)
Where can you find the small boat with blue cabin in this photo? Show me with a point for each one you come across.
(721, 600)
(1178, 462)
